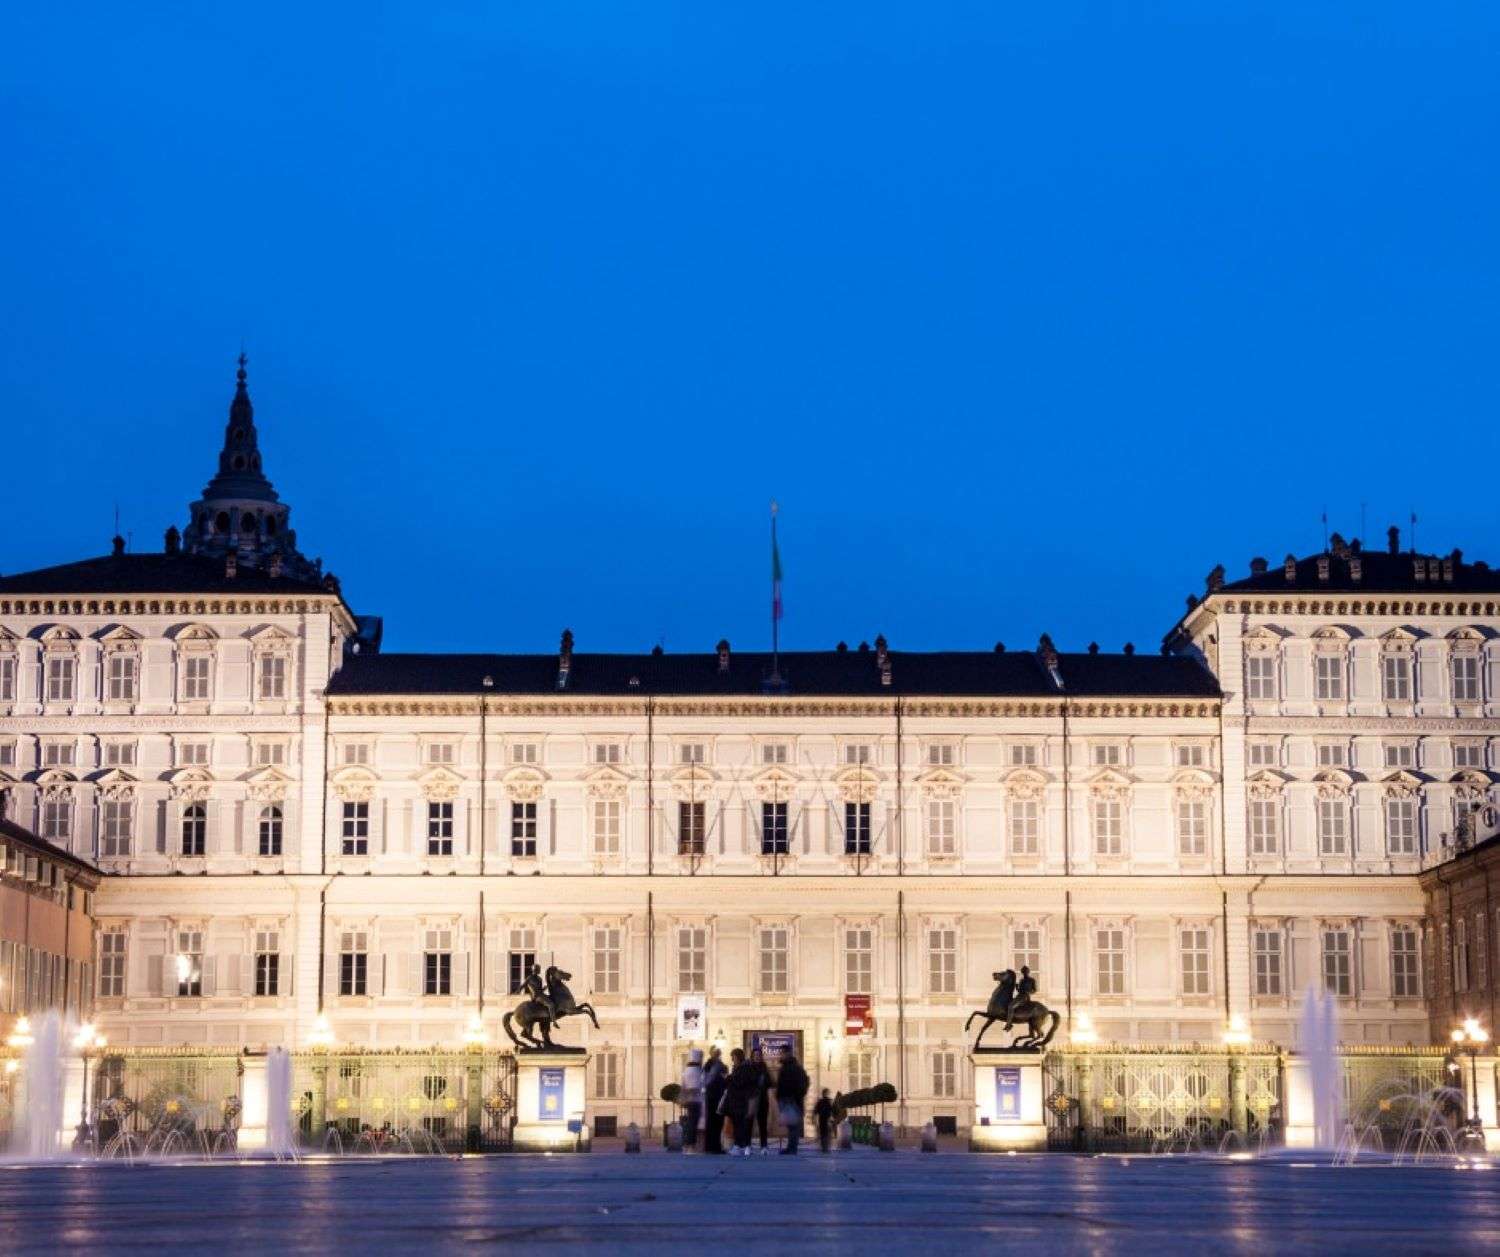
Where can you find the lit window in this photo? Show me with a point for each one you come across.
(859, 960)
(692, 959)
(942, 961)
(692, 828)
(1195, 961)
(188, 964)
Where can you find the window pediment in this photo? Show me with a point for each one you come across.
(941, 783)
(774, 785)
(58, 637)
(354, 783)
(190, 635)
(607, 782)
(524, 785)
(1398, 640)
(1401, 784)
(191, 785)
(269, 638)
(115, 784)
(1333, 783)
(857, 784)
(268, 784)
(1265, 637)
(1025, 784)
(56, 779)
(440, 784)
(118, 637)
(1266, 784)
(1109, 782)
(1193, 783)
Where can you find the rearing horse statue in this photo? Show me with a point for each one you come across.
(543, 1008)
(1005, 1007)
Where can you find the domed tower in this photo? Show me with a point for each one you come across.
(239, 512)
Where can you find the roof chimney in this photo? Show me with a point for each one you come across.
(564, 658)
(173, 539)
(723, 649)
(999, 648)
(1257, 566)
(1290, 567)
(1393, 539)
(117, 545)
(1130, 648)
(1340, 546)
(881, 655)
(842, 648)
(1093, 648)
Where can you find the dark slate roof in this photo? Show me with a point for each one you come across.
(1380, 572)
(40, 846)
(975, 674)
(152, 574)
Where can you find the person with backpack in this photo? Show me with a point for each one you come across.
(823, 1114)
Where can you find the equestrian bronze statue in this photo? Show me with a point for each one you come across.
(544, 1006)
(1015, 1001)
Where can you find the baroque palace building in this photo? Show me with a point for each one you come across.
(292, 826)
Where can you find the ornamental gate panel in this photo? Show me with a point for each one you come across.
(404, 1102)
(165, 1102)
(1380, 1085)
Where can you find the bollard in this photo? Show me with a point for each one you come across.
(846, 1136)
(674, 1136)
(887, 1137)
(632, 1138)
(929, 1138)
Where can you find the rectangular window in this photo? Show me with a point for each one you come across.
(197, 677)
(774, 836)
(859, 960)
(1262, 755)
(7, 678)
(115, 825)
(1328, 677)
(354, 963)
(692, 828)
(607, 956)
(1332, 755)
(357, 753)
(1023, 817)
(942, 961)
(1195, 961)
(1026, 948)
(775, 958)
(856, 829)
(273, 676)
(447, 753)
(523, 753)
(1400, 755)
(605, 1075)
(7, 754)
(188, 964)
(62, 672)
(195, 829)
(58, 754)
(606, 827)
(1468, 755)
(1024, 754)
(861, 1071)
(1192, 755)
(354, 831)
(1406, 981)
(691, 753)
(57, 818)
(1395, 678)
(1109, 961)
(437, 963)
(1265, 947)
(608, 753)
(523, 829)
(1333, 826)
(112, 964)
(1401, 826)
(1109, 825)
(192, 753)
(119, 755)
(775, 753)
(122, 674)
(267, 963)
(942, 754)
(1460, 955)
(522, 957)
(944, 1075)
(857, 753)
(942, 837)
(1265, 826)
(1338, 972)
(692, 959)
(1260, 677)
(270, 831)
(1192, 826)
(1465, 678)
(1107, 754)
(440, 827)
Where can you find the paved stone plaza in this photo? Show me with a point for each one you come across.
(861, 1201)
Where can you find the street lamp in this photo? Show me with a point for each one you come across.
(21, 1036)
(1470, 1039)
(321, 1034)
(1236, 1033)
(86, 1040)
(474, 1035)
(830, 1044)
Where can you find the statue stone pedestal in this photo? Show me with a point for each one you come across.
(550, 1093)
(1008, 1098)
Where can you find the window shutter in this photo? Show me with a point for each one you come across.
(239, 829)
(720, 822)
(879, 818)
(551, 827)
(331, 969)
(213, 818)
(161, 827)
(491, 827)
(413, 963)
(155, 967)
(833, 832)
(750, 843)
(461, 972)
(378, 820)
(208, 967)
(495, 978)
(247, 973)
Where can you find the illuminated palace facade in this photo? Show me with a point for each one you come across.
(291, 824)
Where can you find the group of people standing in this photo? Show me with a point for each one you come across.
(740, 1094)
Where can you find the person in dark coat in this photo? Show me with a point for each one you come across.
(792, 1083)
(741, 1093)
(823, 1112)
(714, 1077)
(761, 1107)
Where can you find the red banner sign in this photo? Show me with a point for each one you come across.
(859, 1017)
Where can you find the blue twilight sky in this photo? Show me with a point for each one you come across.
(1027, 314)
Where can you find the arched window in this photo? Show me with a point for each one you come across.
(194, 829)
(221, 522)
(270, 830)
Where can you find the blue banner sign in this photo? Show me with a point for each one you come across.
(1007, 1094)
(550, 1095)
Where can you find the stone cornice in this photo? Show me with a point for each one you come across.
(1375, 726)
(179, 605)
(805, 708)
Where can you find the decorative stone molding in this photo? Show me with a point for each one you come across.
(268, 785)
(1110, 784)
(168, 605)
(1331, 783)
(774, 785)
(523, 785)
(941, 783)
(607, 783)
(1265, 785)
(116, 785)
(1402, 785)
(354, 784)
(858, 784)
(1025, 785)
(440, 785)
(692, 783)
(191, 785)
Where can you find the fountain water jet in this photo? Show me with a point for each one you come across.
(279, 1141)
(41, 1115)
(1319, 1044)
